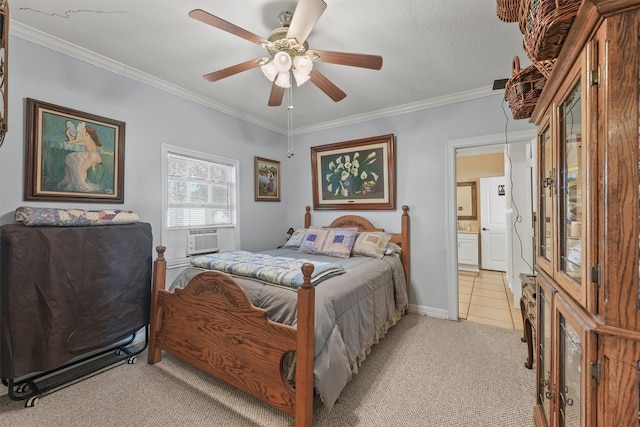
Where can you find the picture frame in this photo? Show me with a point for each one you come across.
(267, 180)
(72, 156)
(355, 175)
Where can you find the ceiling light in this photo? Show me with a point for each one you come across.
(303, 63)
(282, 61)
(300, 76)
(302, 66)
(269, 70)
(283, 79)
(282, 65)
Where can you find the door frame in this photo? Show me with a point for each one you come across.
(450, 201)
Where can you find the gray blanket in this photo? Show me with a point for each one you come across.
(353, 311)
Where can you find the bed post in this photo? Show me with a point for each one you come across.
(405, 239)
(305, 350)
(157, 284)
(307, 217)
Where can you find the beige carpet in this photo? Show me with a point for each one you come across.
(425, 372)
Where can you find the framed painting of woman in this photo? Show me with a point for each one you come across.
(267, 180)
(72, 155)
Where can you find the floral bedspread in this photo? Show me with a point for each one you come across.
(73, 217)
(279, 270)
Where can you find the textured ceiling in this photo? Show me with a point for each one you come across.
(435, 51)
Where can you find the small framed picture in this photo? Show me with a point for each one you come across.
(267, 180)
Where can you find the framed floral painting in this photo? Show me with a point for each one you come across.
(73, 156)
(357, 174)
(267, 176)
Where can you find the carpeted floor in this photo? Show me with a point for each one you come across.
(425, 372)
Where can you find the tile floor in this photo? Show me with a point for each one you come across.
(485, 297)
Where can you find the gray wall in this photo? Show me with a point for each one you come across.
(421, 142)
(153, 117)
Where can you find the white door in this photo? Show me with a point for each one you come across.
(493, 223)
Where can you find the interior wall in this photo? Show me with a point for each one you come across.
(153, 117)
(518, 165)
(421, 177)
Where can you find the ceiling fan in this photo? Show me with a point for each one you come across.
(289, 52)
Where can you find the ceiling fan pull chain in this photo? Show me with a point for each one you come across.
(290, 123)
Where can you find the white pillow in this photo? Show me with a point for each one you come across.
(296, 238)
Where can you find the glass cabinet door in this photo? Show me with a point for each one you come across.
(569, 392)
(546, 193)
(574, 356)
(571, 200)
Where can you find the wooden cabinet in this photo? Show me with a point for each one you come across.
(468, 251)
(588, 228)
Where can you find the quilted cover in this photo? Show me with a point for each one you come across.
(73, 217)
(279, 270)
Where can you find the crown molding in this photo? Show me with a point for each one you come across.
(401, 109)
(54, 43)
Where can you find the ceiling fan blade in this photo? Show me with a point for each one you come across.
(305, 17)
(230, 71)
(277, 93)
(220, 23)
(325, 85)
(373, 62)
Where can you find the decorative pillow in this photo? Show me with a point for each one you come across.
(335, 242)
(296, 238)
(392, 249)
(371, 244)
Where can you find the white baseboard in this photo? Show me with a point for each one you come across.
(429, 311)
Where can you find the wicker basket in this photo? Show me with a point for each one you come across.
(523, 90)
(545, 66)
(545, 24)
(508, 10)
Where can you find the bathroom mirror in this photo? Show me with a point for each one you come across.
(467, 201)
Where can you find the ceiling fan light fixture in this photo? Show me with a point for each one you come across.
(269, 70)
(282, 61)
(300, 76)
(283, 79)
(303, 63)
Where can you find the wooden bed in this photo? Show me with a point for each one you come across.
(212, 325)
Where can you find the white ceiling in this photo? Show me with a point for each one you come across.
(434, 51)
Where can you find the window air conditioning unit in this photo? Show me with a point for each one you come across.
(202, 240)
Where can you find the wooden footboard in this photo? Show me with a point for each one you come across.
(212, 325)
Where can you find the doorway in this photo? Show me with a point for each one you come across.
(484, 297)
(518, 223)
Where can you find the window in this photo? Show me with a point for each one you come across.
(200, 189)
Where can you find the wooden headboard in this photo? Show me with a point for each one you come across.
(363, 224)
